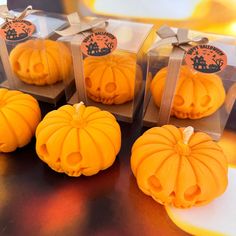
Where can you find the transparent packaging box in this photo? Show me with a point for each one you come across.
(31, 61)
(114, 82)
(201, 100)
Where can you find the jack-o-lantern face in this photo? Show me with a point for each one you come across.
(197, 94)
(110, 79)
(179, 167)
(39, 61)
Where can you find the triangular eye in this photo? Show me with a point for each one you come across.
(205, 101)
(179, 101)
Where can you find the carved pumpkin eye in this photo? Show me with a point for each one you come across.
(205, 101)
(178, 101)
(110, 87)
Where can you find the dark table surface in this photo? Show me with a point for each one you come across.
(35, 200)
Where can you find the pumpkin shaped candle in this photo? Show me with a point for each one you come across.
(110, 79)
(19, 117)
(39, 61)
(197, 94)
(179, 167)
(78, 140)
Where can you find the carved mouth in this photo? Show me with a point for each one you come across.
(103, 100)
(191, 115)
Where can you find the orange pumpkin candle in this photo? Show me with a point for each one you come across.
(197, 94)
(78, 140)
(19, 117)
(110, 79)
(39, 61)
(177, 166)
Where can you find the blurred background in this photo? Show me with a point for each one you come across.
(215, 16)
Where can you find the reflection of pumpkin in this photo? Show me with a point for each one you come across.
(197, 94)
(78, 140)
(178, 166)
(19, 117)
(110, 79)
(39, 61)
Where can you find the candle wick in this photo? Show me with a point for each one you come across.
(77, 107)
(187, 133)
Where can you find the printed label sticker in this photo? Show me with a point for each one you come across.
(206, 58)
(17, 30)
(99, 44)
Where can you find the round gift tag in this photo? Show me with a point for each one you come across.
(99, 44)
(17, 30)
(206, 58)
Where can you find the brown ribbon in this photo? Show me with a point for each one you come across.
(77, 26)
(5, 13)
(180, 43)
(79, 30)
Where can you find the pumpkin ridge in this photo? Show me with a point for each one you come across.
(151, 155)
(65, 112)
(204, 141)
(98, 118)
(25, 105)
(171, 133)
(212, 173)
(48, 138)
(94, 68)
(23, 119)
(203, 154)
(3, 93)
(57, 66)
(91, 126)
(10, 128)
(42, 124)
(105, 123)
(102, 160)
(144, 144)
(203, 148)
(161, 135)
(19, 96)
(63, 120)
(160, 166)
(100, 80)
(179, 167)
(92, 113)
(127, 79)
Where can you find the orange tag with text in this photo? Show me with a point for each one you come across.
(99, 44)
(16, 30)
(206, 58)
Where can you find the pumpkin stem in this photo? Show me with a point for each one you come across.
(77, 107)
(187, 133)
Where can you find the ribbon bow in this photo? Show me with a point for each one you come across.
(76, 26)
(180, 43)
(7, 15)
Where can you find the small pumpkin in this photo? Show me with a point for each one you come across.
(110, 79)
(177, 166)
(197, 94)
(39, 61)
(78, 140)
(19, 117)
